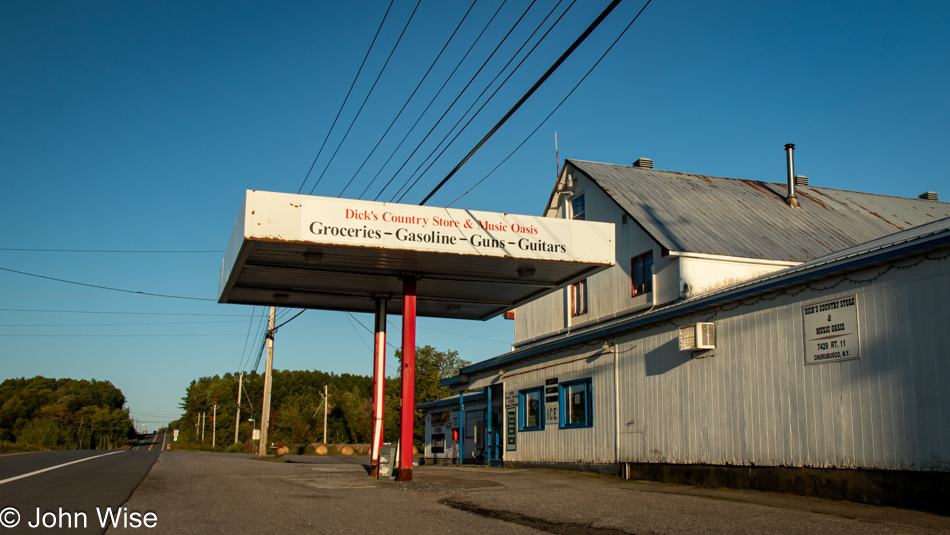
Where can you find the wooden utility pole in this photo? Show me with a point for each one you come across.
(325, 399)
(204, 420)
(214, 422)
(237, 418)
(265, 411)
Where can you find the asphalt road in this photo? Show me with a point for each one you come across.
(73, 483)
(204, 493)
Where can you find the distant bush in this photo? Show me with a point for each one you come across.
(235, 448)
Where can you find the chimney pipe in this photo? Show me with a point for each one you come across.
(792, 200)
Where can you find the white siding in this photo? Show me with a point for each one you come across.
(593, 444)
(609, 292)
(755, 402)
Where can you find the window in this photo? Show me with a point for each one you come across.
(642, 267)
(579, 298)
(531, 403)
(577, 207)
(440, 418)
(438, 443)
(576, 404)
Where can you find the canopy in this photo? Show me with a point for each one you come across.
(301, 251)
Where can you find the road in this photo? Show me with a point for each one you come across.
(74, 483)
(204, 493)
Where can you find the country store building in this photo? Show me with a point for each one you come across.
(739, 341)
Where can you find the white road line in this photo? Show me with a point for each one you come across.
(55, 467)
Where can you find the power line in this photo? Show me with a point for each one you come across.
(357, 116)
(489, 99)
(444, 114)
(290, 320)
(105, 287)
(408, 100)
(109, 251)
(114, 324)
(122, 312)
(577, 42)
(556, 107)
(355, 78)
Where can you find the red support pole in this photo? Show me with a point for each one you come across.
(379, 384)
(404, 472)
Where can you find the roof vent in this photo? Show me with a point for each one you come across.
(801, 180)
(644, 163)
(928, 196)
(791, 199)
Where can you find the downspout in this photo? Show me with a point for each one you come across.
(488, 444)
(461, 426)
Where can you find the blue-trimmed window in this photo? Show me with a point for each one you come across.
(531, 413)
(576, 404)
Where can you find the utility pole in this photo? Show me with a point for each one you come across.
(214, 421)
(204, 420)
(265, 410)
(237, 418)
(325, 399)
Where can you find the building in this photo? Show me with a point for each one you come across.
(739, 341)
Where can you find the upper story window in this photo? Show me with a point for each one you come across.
(440, 418)
(579, 298)
(532, 407)
(642, 267)
(576, 404)
(577, 207)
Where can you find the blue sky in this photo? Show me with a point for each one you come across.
(137, 126)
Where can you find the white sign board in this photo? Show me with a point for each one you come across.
(551, 415)
(831, 331)
(511, 398)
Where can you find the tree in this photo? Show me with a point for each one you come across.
(432, 366)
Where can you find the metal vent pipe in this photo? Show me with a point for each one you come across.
(792, 200)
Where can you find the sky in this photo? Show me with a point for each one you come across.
(129, 132)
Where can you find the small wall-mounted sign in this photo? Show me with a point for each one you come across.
(831, 331)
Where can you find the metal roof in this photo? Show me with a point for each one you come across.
(748, 218)
(931, 236)
(300, 251)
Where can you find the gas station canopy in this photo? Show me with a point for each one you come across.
(300, 251)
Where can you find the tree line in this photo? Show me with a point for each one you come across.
(297, 404)
(62, 414)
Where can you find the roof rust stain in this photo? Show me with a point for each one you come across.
(811, 198)
(875, 214)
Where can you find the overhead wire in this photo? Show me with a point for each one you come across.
(408, 100)
(577, 42)
(439, 92)
(369, 94)
(105, 251)
(149, 294)
(594, 66)
(345, 99)
(489, 99)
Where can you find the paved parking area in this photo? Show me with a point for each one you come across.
(221, 493)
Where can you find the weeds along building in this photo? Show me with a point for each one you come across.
(739, 341)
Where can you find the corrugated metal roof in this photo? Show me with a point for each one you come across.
(748, 218)
(931, 236)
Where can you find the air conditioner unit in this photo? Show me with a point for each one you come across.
(698, 336)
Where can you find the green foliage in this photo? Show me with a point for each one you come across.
(432, 366)
(62, 413)
(297, 403)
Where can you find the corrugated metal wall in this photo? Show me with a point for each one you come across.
(594, 444)
(755, 402)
